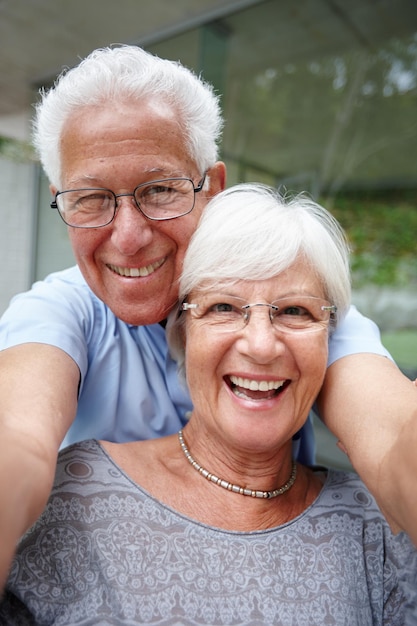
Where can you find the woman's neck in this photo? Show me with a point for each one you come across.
(160, 467)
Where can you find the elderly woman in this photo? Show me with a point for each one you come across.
(218, 524)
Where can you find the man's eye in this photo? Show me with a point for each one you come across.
(158, 193)
(92, 200)
(156, 189)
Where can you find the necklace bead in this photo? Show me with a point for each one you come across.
(236, 488)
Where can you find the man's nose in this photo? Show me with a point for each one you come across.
(131, 230)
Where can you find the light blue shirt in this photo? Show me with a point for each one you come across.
(129, 387)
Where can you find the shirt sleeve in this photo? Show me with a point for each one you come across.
(129, 387)
(55, 311)
(355, 334)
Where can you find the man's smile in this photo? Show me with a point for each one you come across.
(134, 272)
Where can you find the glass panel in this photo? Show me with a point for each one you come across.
(53, 248)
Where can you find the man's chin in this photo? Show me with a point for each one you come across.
(135, 301)
(137, 316)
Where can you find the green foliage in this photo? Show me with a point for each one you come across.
(15, 150)
(382, 230)
(402, 345)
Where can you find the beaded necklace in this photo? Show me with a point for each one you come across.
(235, 488)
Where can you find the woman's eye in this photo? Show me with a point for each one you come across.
(295, 310)
(295, 314)
(222, 307)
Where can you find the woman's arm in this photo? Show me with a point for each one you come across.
(371, 407)
(38, 399)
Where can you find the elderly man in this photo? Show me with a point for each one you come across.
(128, 142)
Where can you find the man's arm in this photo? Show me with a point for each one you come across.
(371, 407)
(38, 399)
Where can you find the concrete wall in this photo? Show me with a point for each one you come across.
(391, 308)
(17, 184)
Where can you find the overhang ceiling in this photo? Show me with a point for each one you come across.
(39, 37)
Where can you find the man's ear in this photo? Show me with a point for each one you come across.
(217, 177)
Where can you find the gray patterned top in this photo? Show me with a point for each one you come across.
(106, 552)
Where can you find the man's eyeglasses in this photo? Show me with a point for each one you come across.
(292, 314)
(157, 200)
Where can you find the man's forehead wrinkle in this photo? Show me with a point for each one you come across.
(158, 172)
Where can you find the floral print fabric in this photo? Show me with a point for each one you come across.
(106, 552)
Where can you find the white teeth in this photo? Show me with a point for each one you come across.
(256, 385)
(133, 272)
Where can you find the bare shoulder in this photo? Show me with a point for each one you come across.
(147, 462)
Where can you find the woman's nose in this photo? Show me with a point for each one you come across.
(260, 339)
(131, 230)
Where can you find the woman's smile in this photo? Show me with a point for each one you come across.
(255, 389)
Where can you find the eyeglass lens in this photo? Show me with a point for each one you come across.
(157, 200)
(290, 314)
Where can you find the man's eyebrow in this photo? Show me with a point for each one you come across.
(166, 173)
(81, 181)
(155, 171)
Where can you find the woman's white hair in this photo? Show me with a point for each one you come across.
(252, 232)
(128, 73)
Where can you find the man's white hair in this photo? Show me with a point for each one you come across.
(128, 74)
